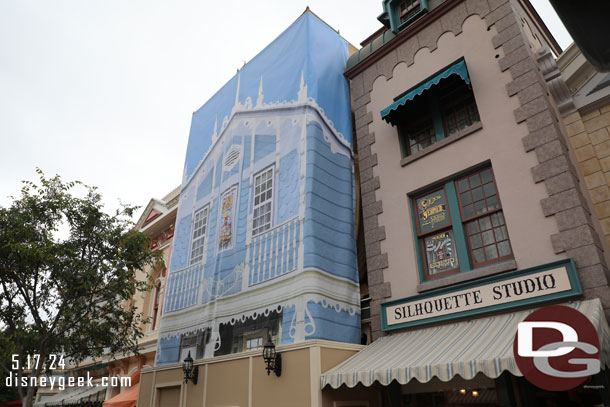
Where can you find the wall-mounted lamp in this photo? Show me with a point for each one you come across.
(190, 372)
(273, 360)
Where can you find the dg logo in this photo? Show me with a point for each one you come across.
(557, 348)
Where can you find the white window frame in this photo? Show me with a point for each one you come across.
(201, 237)
(257, 230)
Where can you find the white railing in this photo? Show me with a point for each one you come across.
(183, 287)
(274, 252)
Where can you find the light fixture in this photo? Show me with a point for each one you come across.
(462, 391)
(190, 372)
(475, 393)
(273, 360)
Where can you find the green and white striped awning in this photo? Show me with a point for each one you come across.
(464, 348)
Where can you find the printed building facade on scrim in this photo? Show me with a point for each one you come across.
(265, 240)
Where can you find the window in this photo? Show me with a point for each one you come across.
(156, 305)
(407, 9)
(483, 219)
(199, 228)
(440, 112)
(193, 343)
(398, 14)
(255, 340)
(439, 107)
(263, 197)
(460, 225)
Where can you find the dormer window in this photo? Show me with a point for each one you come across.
(397, 14)
(408, 9)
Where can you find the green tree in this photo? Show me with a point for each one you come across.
(67, 273)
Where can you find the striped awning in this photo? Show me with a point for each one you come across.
(463, 348)
(73, 395)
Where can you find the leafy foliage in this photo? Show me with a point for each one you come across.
(67, 274)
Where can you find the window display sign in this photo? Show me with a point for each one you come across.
(549, 282)
(440, 252)
(432, 211)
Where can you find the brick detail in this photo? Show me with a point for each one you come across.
(541, 120)
(550, 168)
(521, 82)
(499, 12)
(429, 36)
(386, 65)
(550, 150)
(593, 276)
(573, 238)
(506, 35)
(480, 7)
(452, 21)
(522, 67)
(562, 201)
(560, 183)
(540, 137)
(530, 93)
(514, 57)
(571, 218)
(531, 108)
(406, 51)
(505, 22)
(603, 293)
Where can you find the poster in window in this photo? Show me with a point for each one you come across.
(432, 211)
(225, 235)
(440, 252)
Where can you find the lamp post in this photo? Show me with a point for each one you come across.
(273, 360)
(190, 372)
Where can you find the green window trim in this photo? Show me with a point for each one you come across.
(457, 225)
(390, 17)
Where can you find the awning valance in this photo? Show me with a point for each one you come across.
(74, 395)
(128, 398)
(464, 348)
(456, 68)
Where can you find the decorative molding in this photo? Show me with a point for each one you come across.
(554, 81)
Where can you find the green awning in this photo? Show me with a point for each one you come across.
(456, 68)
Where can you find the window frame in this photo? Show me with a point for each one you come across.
(466, 220)
(202, 236)
(255, 206)
(457, 224)
(434, 107)
(397, 23)
(421, 236)
(450, 105)
(405, 129)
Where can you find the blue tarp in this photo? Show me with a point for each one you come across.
(457, 68)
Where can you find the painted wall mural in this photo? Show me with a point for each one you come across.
(265, 241)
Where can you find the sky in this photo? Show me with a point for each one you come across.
(102, 91)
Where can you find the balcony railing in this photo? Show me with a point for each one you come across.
(183, 287)
(274, 252)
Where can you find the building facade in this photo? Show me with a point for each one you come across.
(470, 194)
(265, 247)
(123, 373)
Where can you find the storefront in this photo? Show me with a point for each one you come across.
(456, 346)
